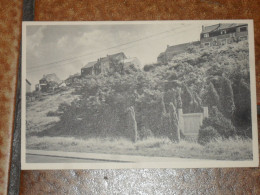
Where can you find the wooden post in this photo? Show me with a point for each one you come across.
(132, 125)
(205, 112)
(175, 131)
(181, 122)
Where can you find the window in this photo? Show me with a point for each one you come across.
(222, 32)
(206, 35)
(243, 29)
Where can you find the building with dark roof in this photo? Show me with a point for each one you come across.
(110, 63)
(88, 68)
(48, 82)
(171, 51)
(222, 34)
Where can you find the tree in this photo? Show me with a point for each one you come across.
(178, 97)
(207, 134)
(242, 114)
(175, 131)
(211, 98)
(187, 99)
(220, 123)
(227, 98)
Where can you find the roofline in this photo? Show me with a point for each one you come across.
(238, 24)
(179, 45)
(87, 67)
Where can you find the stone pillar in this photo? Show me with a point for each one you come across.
(205, 112)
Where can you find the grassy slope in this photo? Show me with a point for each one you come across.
(36, 112)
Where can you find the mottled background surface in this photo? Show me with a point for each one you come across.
(10, 36)
(131, 181)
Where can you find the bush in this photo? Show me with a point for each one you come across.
(222, 124)
(227, 98)
(145, 133)
(207, 134)
(51, 113)
(211, 97)
(215, 125)
(149, 67)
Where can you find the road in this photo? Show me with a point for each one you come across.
(32, 158)
(41, 156)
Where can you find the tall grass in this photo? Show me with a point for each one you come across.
(228, 149)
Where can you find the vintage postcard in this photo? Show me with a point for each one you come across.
(143, 94)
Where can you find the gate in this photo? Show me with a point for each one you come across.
(189, 124)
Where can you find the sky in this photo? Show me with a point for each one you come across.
(65, 49)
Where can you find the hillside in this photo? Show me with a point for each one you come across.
(216, 77)
(37, 118)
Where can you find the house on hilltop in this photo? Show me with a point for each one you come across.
(48, 82)
(106, 64)
(88, 68)
(110, 63)
(222, 34)
(171, 51)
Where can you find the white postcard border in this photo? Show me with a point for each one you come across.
(108, 165)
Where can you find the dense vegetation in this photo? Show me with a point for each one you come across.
(217, 77)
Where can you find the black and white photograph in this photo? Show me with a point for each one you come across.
(138, 94)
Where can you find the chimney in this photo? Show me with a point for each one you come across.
(202, 27)
(168, 46)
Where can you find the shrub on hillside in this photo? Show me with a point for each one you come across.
(211, 97)
(191, 49)
(219, 123)
(227, 98)
(149, 67)
(242, 115)
(145, 133)
(207, 134)
(215, 70)
(51, 113)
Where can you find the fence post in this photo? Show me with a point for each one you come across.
(174, 123)
(205, 112)
(132, 125)
(180, 116)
